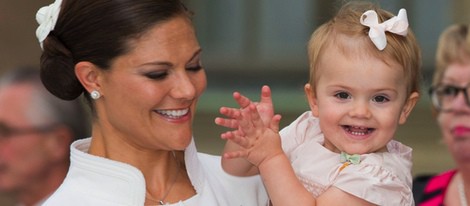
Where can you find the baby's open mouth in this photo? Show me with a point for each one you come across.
(359, 131)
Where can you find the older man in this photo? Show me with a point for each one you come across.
(36, 130)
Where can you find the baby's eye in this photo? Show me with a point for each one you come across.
(380, 99)
(342, 95)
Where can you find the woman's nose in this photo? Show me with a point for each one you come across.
(183, 88)
(460, 103)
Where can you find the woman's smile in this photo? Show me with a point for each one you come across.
(173, 114)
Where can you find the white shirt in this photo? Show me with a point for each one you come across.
(94, 180)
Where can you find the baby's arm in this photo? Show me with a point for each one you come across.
(259, 143)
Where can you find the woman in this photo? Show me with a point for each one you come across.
(138, 64)
(451, 102)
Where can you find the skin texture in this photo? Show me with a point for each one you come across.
(357, 117)
(148, 101)
(32, 164)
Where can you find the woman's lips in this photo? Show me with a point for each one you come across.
(461, 131)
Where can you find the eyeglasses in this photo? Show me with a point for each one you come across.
(442, 96)
(8, 131)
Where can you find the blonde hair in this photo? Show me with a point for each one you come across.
(453, 47)
(402, 49)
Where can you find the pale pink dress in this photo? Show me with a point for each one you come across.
(380, 178)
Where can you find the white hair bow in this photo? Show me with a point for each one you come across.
(47, 18)
(397, 25)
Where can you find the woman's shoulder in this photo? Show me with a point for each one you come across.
(431, 186)
(437, 181)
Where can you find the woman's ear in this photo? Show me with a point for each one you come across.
(88, 75)
(409, 105)
(312, 99)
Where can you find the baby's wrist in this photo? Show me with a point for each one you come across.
(272, 161)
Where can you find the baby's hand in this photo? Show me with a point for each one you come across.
(264, 107)
(256, 128)
(258, 142)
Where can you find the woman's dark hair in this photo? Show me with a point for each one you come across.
(97, 31)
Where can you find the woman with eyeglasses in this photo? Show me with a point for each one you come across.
(451, 105)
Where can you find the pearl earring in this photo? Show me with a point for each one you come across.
(95, 94)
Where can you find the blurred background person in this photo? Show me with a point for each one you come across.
(36, 130)
(451, 104)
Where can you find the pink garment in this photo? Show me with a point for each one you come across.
(436, 189)
(380, 178)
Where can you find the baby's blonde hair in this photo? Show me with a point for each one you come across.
(402, 49)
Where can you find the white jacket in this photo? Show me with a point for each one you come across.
(94, 180)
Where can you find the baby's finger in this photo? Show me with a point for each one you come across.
(255, 118)
(275, 122)
(229, 123)
(243, 101)
(239, 138)
(266, 97)
(245, 123)
(230, 112)
(235, 154)
(227, 135)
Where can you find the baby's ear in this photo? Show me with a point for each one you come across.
(312, 99)
(409, 105)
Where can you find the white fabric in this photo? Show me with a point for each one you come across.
(94, 180)
(380, 178)
(47, 18)
(397, 25)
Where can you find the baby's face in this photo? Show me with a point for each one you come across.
(360, 100)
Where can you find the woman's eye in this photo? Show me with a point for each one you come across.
(449, 91)
(380, 99)
(194, 68)
(342, 95)
(156, 75)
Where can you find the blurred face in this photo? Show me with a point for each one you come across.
(149, 95)
(360, 101)
(24, 157)
(455, 123)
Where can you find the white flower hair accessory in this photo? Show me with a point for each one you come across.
(397, 25)
(47, 18)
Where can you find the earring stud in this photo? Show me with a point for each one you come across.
(95, 94)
